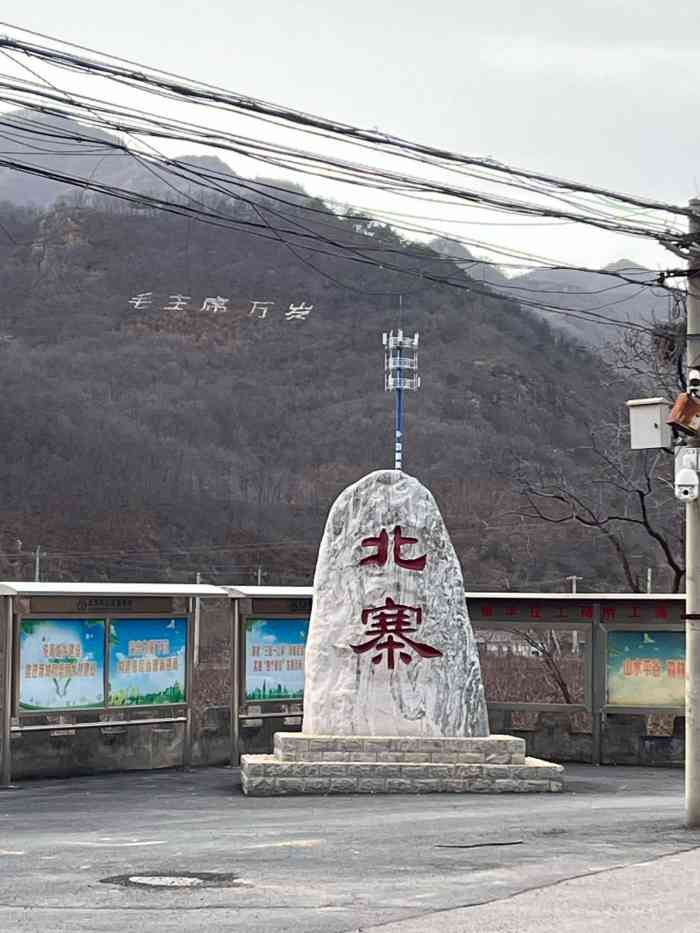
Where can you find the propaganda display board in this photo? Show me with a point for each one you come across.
(61, 664)
(646, 668)
(147, 661)
(274, 659)
(82, 663)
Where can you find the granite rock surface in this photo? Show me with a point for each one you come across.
(390, 650)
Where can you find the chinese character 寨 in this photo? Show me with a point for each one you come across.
(391, 624)
(381, 542)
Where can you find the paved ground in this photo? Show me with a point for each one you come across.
(610, 854)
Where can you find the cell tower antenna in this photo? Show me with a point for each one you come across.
(400, 375)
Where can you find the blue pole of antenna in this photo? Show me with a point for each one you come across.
(398, 433)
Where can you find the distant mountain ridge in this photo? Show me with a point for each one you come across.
(584, 291)
(41, 140)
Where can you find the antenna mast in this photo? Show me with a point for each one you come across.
(400, 373)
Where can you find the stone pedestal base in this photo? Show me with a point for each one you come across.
(332, 764)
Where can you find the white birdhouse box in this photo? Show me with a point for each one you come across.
(648, 427)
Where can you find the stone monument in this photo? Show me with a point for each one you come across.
(393, 698)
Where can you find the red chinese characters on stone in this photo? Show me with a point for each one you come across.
(390, 627)
(381, 555)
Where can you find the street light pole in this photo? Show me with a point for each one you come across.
(692, 566)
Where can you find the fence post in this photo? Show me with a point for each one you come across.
(235, 681)
(6, 632)
(597, 675)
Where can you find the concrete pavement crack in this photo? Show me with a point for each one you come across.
(180, 907)
(528, 890)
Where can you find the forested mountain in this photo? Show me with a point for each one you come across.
(150, 437)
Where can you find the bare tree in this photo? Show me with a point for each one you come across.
(624, 497)
(654, 361)
(548, 648)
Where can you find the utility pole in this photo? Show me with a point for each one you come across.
(37, 562)
(649, 421)
(574, 634)
(692, 562)
(400, 373)
(197, 614)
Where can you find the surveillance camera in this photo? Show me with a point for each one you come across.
(687, 485)
(694, 383)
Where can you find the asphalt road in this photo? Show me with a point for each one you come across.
(609, 854)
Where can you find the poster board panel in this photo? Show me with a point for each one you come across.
(645, 668)
(147, 662)
(274, 659)
(61, 664)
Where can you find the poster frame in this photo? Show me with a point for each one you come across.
(57, 710)
(268, 708)
(603, 666)
(544, 626)
(27, 716)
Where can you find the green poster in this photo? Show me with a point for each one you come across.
(274, 659)
(61, 664)
(147, 662)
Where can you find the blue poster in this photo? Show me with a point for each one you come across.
(61, 664)
(147, 661)
(274, 659)
(646, 668)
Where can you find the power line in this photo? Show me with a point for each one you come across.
(201, 177)
(277, 233)
(216, 219)
(337, 250)
(200, 92)
(63, 114)
(346, 171)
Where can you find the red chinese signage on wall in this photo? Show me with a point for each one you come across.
(573, 612)
(390, 627)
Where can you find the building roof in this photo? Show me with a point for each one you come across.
(204, 590)
(574, 597)
(306, 592)
(207, 590)
(281, 592)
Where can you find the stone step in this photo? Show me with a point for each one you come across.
(496, 749)
(268, 775)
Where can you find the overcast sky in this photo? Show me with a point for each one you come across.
(603, 92)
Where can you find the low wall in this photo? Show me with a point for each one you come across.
(71, 752)
(623, 739)
(65, 752)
